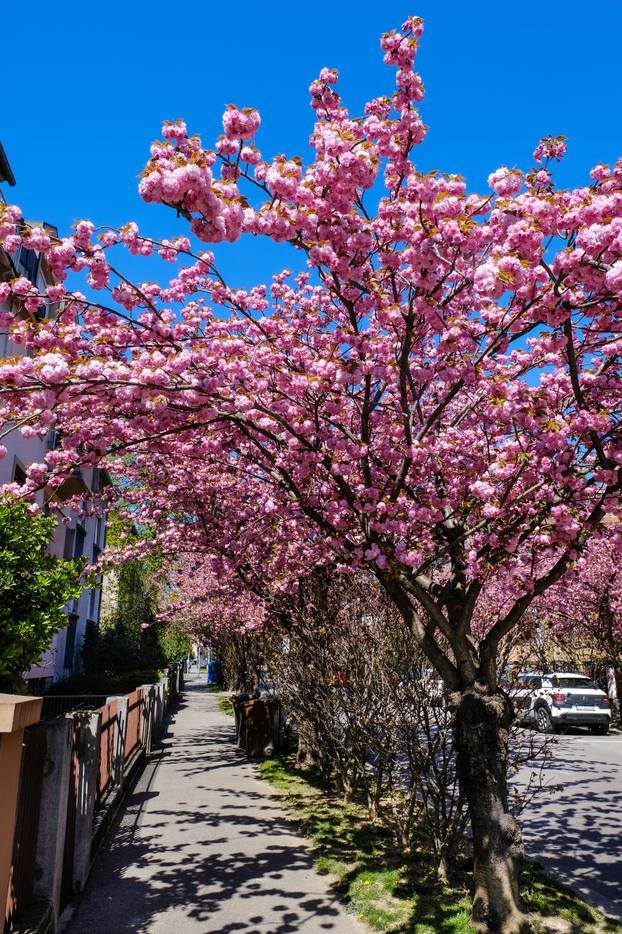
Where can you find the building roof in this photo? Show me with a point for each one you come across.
(6, 174)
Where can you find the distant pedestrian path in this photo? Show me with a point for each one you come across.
(203, 846)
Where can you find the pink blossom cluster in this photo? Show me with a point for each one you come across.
(551, 147)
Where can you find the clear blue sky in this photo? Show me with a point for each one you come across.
(91, 84)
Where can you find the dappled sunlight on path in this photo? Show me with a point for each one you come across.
(576, 833)
(203, 846)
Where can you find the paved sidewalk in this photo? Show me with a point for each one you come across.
(203, 846)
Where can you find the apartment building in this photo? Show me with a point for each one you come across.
(75, 536)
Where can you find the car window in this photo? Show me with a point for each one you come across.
(574, 683)
(530, 682)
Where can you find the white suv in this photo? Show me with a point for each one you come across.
(561, 698)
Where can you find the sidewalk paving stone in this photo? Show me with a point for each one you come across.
(203, 846)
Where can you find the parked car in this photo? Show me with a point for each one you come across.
(561, 698)
(433, 686)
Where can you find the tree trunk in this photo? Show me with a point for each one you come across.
(308, 755)
(481, 735)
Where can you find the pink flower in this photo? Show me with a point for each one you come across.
(55, 292)
(240, 124)
(505, 182)
(37, 239)
(614, 276)
(550, 147)
(600, 172)
(226, 146)
(12, 243)
(52, 368)
(250, 155)
(83, 234)
(175, 131)
(21, 287)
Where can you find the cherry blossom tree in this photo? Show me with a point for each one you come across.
(436, 399)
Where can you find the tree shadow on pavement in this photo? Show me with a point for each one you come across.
(205, 856)
(576, 832)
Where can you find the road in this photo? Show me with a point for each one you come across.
(577, 833)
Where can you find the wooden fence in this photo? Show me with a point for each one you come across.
(135, 709)
(27, 822)
(108, 741)
(101, 751)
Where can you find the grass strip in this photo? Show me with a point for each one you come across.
(398, 894)
(225, 706)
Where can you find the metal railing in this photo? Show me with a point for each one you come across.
(58, 705)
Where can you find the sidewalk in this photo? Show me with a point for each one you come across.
(203, 846)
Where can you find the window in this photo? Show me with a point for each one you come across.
(574, 683)
(74, 548)
(70, 535)
(94, 604)
(29, 261)
(95, 591)
(70, 641)
(52, 439)
(100, 533)
(531, 682)
(19, 475)
(78, 550)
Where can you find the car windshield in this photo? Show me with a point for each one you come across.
(574, 683)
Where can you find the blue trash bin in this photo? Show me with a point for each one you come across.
(212, 672)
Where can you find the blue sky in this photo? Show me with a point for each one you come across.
(93, 82)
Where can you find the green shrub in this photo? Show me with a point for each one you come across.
(34, 588)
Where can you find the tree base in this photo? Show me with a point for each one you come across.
(517, 922)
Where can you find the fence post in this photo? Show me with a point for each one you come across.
(53, 813)
(16, 713)
(119, 753)
(88, 757)
(163, 701)
(148, 731)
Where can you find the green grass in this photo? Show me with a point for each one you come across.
(392, 893)
(226, 706)
(546, 898)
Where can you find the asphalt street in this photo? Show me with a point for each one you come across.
(577, 833)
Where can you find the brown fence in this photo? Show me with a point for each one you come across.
(27, 821)
(66, 893)
(133, 729)
(97, 758)
(108, 739)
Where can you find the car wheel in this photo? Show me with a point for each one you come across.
(600, 729)
(543, 720)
